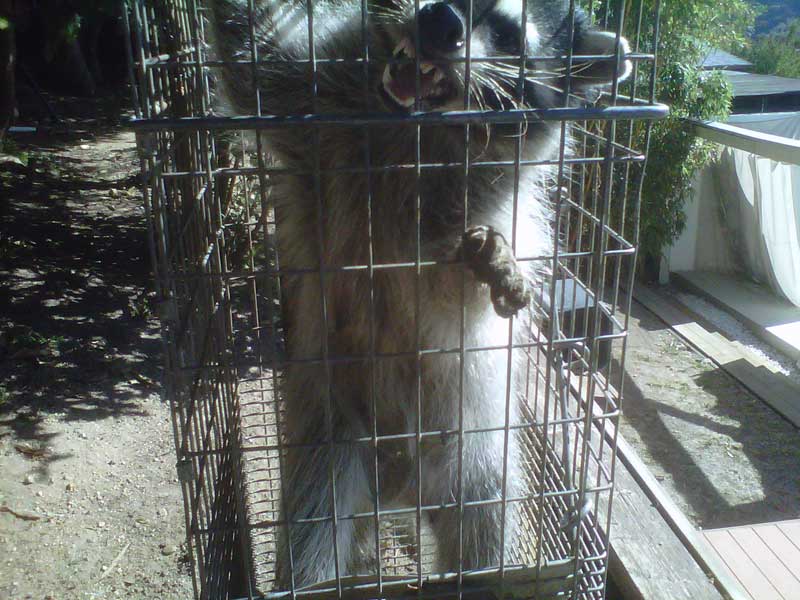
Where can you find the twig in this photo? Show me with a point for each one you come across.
(25, 516)
(115, 561)
(31, 451)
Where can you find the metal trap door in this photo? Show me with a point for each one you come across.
(546, 516)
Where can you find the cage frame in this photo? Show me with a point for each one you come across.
(177, 82)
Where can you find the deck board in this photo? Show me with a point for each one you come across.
(650, 556)
(779, 540)
(792, 531)
(767, 561)
(751, 577)
(765, 558)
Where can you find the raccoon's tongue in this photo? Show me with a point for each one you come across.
(400, 83)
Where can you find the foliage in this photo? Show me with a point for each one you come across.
(779, 52)
(775, 14)
(676, 154)
(65, 20)
(689, 28)
(59, 32)
(26, 339)
(9, 149)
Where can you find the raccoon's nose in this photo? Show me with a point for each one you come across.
(441, 28)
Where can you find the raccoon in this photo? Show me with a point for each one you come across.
(413, 337)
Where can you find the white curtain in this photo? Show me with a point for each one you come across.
(760, 202)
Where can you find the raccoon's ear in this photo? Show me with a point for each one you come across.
(599, 72)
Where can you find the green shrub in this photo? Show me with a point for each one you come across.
(689, 29)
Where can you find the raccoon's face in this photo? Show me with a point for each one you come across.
(427, 69)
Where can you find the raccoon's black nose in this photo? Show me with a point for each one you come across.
(441, 28)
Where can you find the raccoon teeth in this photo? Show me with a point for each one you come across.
(404, 47)
(387, 87)
(407, 102)
(426, 68)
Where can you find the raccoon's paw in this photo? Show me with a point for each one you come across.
(490, 257)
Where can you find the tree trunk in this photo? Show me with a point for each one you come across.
(8, 95)
(73, 63)
(91, 29)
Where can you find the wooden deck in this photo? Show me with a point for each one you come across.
(764, 558)
(655, 553)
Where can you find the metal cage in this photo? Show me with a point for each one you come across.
(219, 280)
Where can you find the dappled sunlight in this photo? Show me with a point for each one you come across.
(78, 338)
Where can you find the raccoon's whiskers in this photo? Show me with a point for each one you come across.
(477, 85)
(581, 67)
(491, 82)
(386, 14)
(501, 91)
(512, 75)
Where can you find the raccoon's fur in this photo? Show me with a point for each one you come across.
(345, 218)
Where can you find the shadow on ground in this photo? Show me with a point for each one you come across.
(76, 335)
(730, 458)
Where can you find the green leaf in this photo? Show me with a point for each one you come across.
(689, 29)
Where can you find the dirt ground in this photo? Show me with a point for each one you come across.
(723, 455)
(90, 506)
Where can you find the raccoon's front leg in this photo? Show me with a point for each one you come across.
(491, 259)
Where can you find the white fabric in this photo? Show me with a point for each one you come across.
(762, 202)
(745, 213)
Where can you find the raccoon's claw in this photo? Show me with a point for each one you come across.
(490, 257)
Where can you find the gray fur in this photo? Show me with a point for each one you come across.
(286, 89)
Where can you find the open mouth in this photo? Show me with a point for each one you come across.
(400, 79)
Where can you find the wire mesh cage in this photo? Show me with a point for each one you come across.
(394, 244)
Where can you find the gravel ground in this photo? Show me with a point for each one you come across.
(90, 506)
(736, 330)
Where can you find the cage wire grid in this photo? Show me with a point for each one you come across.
(207, 184)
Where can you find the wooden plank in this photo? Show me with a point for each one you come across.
(776, 390)
(697, 545)
(752, 357)
(753, 580)
(784, 546)
(791, 529)
(773, 319)
(767, 561)
(647, 560)
(782, 538)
